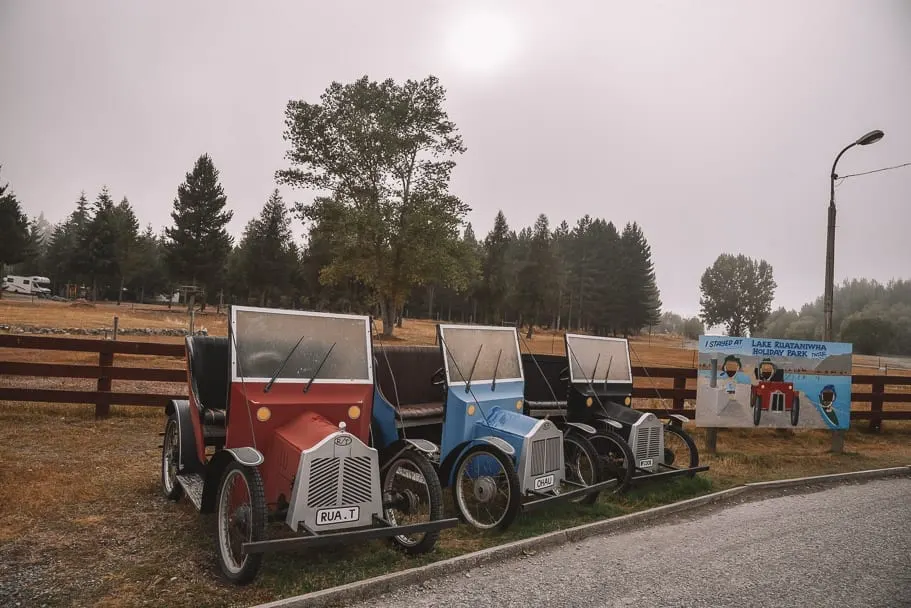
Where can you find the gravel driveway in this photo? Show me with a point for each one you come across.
(846, 546)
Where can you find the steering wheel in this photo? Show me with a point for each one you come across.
(438, 377)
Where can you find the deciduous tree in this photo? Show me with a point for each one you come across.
(383, 151)
(738, 292)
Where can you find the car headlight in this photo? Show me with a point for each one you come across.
(627, 401)
(354, 412)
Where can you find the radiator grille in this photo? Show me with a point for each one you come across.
(323, 482)
(545, 455)
(356, 480)
(647, 440)
(324, 476)
(777, 402)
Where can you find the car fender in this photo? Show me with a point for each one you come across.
(585, 428)
(189, 460)
(448, 465)
(246, 456)
(424, 447)
(678, 419)
(610, 422)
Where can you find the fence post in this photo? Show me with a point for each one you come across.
(876, 405)
(838, 442)
(679, 385)
(103, 401)
(116, 324)
(711, 440)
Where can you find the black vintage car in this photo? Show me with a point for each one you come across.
(592, 386)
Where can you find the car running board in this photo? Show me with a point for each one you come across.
(192, 485)
(643, 475)
(543, 499)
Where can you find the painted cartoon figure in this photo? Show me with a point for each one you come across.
(827, 398)
(772, 393)
(732, 368)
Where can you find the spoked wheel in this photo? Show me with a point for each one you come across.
(581, 465)
(680, 448)
(615, 458)
(170, 460)
(757, 410)
(241, 518)
(795, 410)
(412, 495)
(486, 488)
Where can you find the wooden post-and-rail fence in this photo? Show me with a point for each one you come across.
(105, 372)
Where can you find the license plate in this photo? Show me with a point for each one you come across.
(544, 482)
(648, 462)
(325, 517)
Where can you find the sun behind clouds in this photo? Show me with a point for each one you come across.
(482, 39)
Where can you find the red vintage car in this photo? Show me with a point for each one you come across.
(277, 429)
(773, 394)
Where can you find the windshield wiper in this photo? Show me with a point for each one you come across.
(607, 373)
(271, 381)
(598, 358)
(471, 373)
(493, 385)
(316, 373)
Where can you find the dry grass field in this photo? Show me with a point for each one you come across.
(83, 523)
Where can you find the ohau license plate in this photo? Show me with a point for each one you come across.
(544, 482)
(326, 517)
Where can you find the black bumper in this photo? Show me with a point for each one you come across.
(345, 536)
(548, 499)
(643, 476)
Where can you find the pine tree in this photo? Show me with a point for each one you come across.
(148, 274)
(126, 235)
(606, 278)
(561, 254)
(198, 243)
(267, 260)
(98, 242)
(14, 229)
(536, 273)
(641, 304)
(494, 272)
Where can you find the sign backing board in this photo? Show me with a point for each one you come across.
(773, 383)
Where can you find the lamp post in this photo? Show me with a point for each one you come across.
(870, 138)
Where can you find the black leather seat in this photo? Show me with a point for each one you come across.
(540, 387)
(406, 372)
(209, 361)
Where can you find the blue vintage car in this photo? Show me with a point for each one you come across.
(461, 403)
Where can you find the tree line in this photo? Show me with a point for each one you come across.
(874, 317)
(385, 235)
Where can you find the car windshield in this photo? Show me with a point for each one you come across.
(589, 350)
(462, 345)
(265, 337)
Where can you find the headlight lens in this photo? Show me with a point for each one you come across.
(627, 401)
(263, 414)
(588, 402)
(354, 412)
(519, 404)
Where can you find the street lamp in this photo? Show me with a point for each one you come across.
(870, 138)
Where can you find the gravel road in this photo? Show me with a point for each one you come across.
(846, 546)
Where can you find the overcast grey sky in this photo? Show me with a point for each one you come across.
(713, 124)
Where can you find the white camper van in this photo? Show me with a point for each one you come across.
(26, 285)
